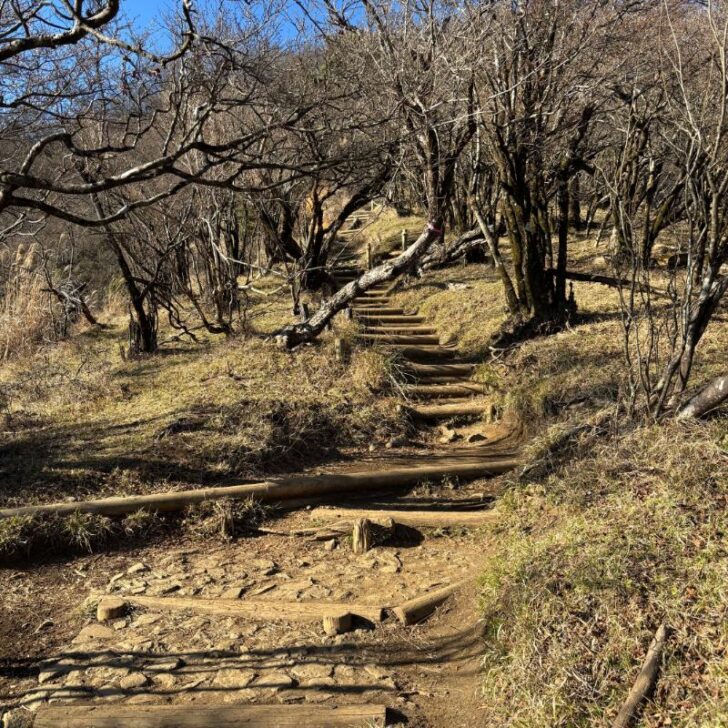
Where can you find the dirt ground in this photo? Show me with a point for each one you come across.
(54, 650)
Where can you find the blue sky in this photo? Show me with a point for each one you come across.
(144, 12)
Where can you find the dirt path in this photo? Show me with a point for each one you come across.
(427, 674)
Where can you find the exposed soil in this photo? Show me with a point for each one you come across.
(427, 674)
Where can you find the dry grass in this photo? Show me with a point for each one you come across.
(78, 421)
(623, 529)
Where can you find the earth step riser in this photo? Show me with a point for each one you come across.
(422, 353)
(377, 311)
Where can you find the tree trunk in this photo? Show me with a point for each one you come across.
(712, 395)
(296, 334)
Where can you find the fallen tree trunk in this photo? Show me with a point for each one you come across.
(609, 281)
(295, 334)
(645, 680)
(415, 610)
(440, 255)
(204, 716)
(259, 611)
(296, 488)
(712, 395)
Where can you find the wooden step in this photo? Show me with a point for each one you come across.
(390, 318)
(466, 389)
(442, 370)
(415, 339)
(447, 411)
(399, 329)
(165, 715)
(432, 518)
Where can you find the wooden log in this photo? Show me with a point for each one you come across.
(334, 624)
(415, 519)
(205, 716)
(445, 411)
(417, 609)
(423, 351)
(441, 370)
(398, 329)
(369, 319)
(445, 390)
(711, 396)
(340, 351)
(258, 610)
(404, 339)
(296, 334)
(645, 681)
(301, 489)
(361, 536)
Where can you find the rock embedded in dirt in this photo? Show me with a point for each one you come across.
(234, 678)
(330, 545)
(275, 680)
(234, 592)
(138, 568)
(94, 633)
(19, 718)
(477, 437)
(133, 681)
(311, 671)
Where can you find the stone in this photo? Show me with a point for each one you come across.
(138, 568)
(266, 566)
(275, 681)
(146, 620)
(330, 545)
(234, 592)
(111, 608)
(477, 437)
(164, 680)
(600, 263)
(233, 678)
(311, 671)
(19, 718)
(165, 665)
(133, 680)
(94, 633)
(50, 672)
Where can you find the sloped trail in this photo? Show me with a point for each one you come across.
(216, 633)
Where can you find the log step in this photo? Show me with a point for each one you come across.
(296, 488)
(446, 411)
(259, 611)
(399, 329)
(122, 715)
(415, 519)
(403, 339)
(370, 318)
(466, 389)
(453, 369)
(417, 609)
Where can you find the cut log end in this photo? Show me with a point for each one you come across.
(337, 624)
(111, 608)
(361, 536)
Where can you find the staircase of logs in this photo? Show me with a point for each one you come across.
(439, 387)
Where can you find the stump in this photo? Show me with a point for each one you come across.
(111, 608)
(361, 536)
(337, 624)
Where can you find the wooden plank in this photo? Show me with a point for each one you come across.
(284, 489)
(210, 716)
(417, 609)
(259, 610)
(445, 411)
(415, 519)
